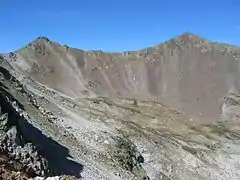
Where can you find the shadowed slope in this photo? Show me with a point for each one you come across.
(25, 135)
(188, 73)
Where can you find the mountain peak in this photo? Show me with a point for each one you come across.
(42, 38)
(186, 38)
(188, 33)
(189, 36)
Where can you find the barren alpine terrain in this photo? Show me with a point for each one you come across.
(168, 112)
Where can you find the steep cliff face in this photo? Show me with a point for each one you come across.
(188, 73)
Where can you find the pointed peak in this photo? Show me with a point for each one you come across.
(36, 44)
(42, 38)
(190, 36)
(42, 43)
(188, 33)
(39, 41)
(186, 38)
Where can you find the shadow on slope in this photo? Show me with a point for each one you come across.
(56, 155)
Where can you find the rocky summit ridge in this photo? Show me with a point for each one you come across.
(169, 111)
(187, 72)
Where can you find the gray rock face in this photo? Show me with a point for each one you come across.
(13, 142)
(3, 122)
(127, 156)
(231, 107)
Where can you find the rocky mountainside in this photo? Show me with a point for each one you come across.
(165, 112)
(187, 73)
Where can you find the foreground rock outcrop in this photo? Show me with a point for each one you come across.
(20, 157)
(14, 144)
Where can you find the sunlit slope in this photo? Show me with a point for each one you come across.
(187, 73)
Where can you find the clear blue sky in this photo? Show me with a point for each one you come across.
(116, 25)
